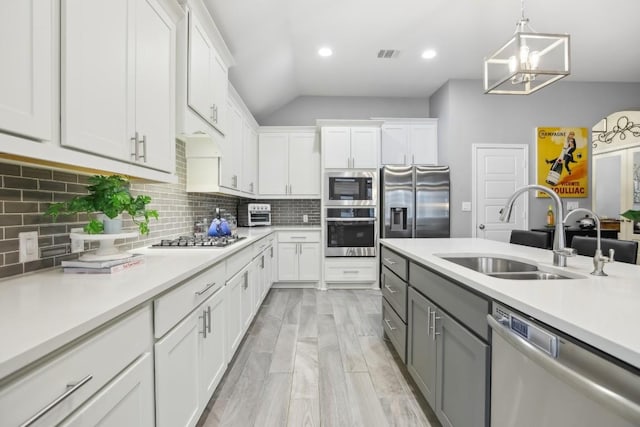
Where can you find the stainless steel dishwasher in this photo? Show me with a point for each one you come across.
(542, 379)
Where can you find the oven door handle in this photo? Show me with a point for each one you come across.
(351, 219)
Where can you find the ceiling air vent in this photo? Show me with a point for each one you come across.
(388, 53)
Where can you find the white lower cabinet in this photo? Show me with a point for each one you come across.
(127, 400)
(190, 361)
(69, 381)
(234, 313)
(298, 256)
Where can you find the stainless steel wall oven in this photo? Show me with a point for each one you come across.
(351, 232)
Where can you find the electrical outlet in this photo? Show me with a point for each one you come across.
(28, 250)
(305, 218)
(572, 205)
(77, 245)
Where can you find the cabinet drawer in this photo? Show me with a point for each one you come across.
(467, 307)
(395, 329)
(346, 271)
(298, 236)
(395, 262)
(88, 365)
(173, 306)
(238, 261)
(260, 246)
(395, 292)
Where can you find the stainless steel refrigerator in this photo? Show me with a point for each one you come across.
(414, 201)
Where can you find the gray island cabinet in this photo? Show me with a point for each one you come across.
(447, 339)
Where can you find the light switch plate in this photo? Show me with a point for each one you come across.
(28, 246)
(572, 205)
(466, 206)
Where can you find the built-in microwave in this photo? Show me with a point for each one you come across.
(350, 188)
(351, 231)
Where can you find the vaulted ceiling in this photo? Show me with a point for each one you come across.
(275, 43)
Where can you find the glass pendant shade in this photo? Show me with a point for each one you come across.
(526, 63)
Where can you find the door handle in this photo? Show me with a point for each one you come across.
(481, 226)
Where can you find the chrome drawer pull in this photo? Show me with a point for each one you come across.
(298, 237)
(433, 325)
(209, 318)
(389, 324)
(71, 388)
(204, 323)
(350, 271)
(390, 289)
(203, 291)
(390, 261)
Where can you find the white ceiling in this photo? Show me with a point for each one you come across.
(275, 43)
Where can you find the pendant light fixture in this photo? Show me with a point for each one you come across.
(527, 62)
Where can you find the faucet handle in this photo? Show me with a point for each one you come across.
(611, 254)
(566, 252)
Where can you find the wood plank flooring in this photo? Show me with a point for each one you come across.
(317, 358)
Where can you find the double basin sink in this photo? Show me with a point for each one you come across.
(504, 268)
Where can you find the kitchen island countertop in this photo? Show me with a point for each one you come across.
(603, 312)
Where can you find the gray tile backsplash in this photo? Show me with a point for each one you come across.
(26, 191)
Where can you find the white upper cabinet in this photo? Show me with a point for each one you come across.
(289, 162)
(410, 143)
(207, 76)
(26, 83)
(250, 164)
(350, 147)
(118, 80)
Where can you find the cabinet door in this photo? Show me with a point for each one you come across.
(304, 164)
(213, 358)
(364, 147)
(273, 164)
(287, 262)
(259, 281)
(234, 314)
(423, 144)
(155, 86)
(461, 397)
(274, 265)
(309, 261)
(250, 164)
(127, 400)
(248, 285)
(421, 345)
(178, 374)
(26, 84)
(220, 91)
(393, 145)
(200, 87)
(97, 61)
(231, 145)
(336, 147)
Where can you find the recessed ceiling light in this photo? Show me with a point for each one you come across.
(325, 51)
(429, 54)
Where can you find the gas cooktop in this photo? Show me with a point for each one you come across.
(198, 242)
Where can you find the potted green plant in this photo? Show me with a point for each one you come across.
(110, 196)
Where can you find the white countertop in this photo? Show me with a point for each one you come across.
(601, 311)
(42, 311)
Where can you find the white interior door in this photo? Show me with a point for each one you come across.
(499, 169)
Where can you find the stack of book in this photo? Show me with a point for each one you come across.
(101, 267)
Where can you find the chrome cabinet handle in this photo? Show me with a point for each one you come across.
(134, 151)
(262, 262)
(428, 319)
(390, 289)
(209, 286)
(433, 326)
(246, 280)
(390, 261)
(204, 323)
(298, 237)
(144, 149)
(71, 388)
(350, 271)
(300, 248)
(271, 250)
(209, 318)
(389, 324)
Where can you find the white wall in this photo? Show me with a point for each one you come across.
(305, 110)
(467, 116)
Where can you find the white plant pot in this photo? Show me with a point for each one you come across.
(111, 225)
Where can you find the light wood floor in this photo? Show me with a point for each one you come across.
(314, 358)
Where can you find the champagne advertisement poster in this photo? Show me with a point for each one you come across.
(563, 161)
